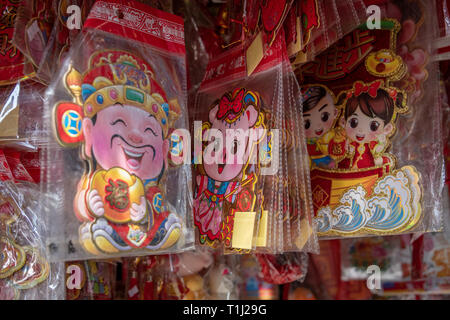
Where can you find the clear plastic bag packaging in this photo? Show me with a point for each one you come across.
(328, 29)
(34, 24)
(25, 271)
(13, 64)
(299, 227)
(5, 170)
(241, 198)
(373, 123)
(19, 165)
(69, 18)
(262, 21)
(351, 14)
(45, 31)
(20, 98)
(21, 115)
(203, 41)
(116, 113)
(323, 22)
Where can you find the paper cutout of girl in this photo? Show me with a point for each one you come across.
(368, 118)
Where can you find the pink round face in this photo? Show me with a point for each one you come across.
(225, 158)
(221, 167)
(321, 118)
(126, 137)
(364, 129)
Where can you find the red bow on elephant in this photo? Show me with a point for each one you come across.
(229, 105)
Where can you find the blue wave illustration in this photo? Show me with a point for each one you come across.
(393, 205)
(354, 221)
(391, 217)
(323, 223)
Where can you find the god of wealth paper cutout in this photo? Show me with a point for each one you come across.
(350, 110)
(226, 197)
(122, 119)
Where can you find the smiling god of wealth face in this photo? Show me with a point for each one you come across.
(127, 137)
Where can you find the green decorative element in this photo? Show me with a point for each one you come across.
(134, 95)
(128, 63)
